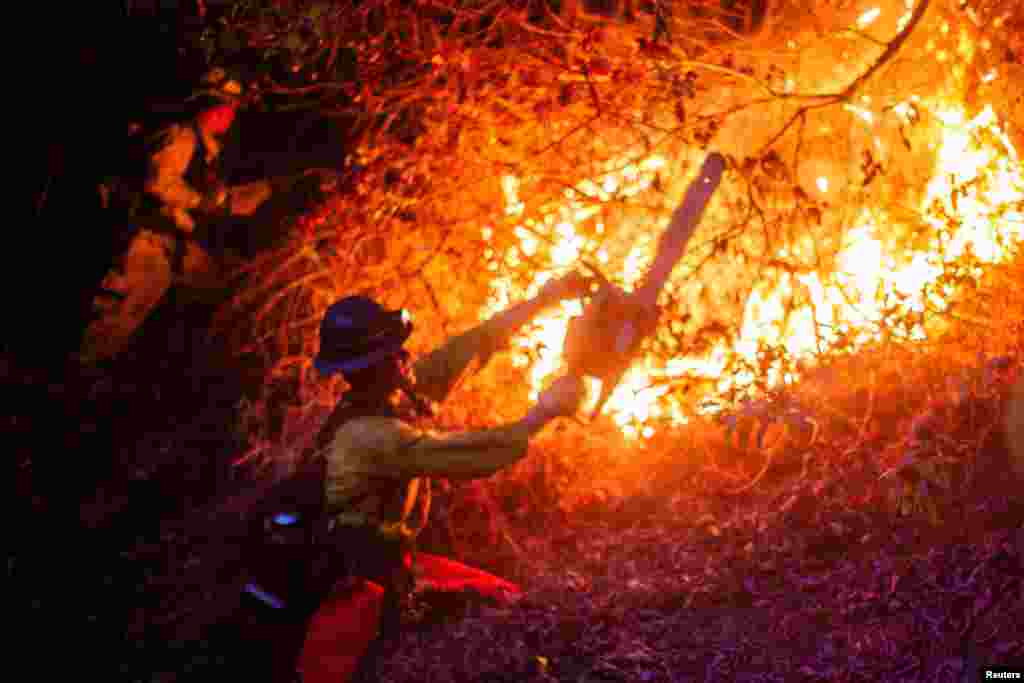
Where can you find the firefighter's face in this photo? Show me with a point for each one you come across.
(394, 370)
(217, 120)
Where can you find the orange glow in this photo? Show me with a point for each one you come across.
(977, 176)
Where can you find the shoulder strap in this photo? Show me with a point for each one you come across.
(347, 409)
(302, 487)
(350, 408)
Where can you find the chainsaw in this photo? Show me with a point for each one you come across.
(604, 340)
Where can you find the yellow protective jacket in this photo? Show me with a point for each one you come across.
(372, 460)
(173, 149)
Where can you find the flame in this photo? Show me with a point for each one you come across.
(872, 274)
(868, 17)
(977, 177)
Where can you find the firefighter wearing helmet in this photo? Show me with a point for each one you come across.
(374, 485)
(180, 174)
(178, 163)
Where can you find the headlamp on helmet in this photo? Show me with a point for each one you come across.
(217, 78)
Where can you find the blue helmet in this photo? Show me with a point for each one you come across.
(357, 332)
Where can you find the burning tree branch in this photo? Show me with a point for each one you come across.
(891, 48)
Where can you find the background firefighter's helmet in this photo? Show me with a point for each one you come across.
(218, 80)
(357, 332)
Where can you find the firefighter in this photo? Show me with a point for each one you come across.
(181, 174)
(375, 486)
(155, 217)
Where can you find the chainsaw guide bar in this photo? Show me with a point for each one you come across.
(603, 342)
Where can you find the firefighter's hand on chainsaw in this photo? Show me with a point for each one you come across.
(573, 285)
(612, 325)
(561, 399)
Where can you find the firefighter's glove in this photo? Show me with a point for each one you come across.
(563, 398)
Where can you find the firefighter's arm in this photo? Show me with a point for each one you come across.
(392, 448)
(165, 179)
(440, 371)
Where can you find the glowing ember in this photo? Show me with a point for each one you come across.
(868, 17)
(977, 176)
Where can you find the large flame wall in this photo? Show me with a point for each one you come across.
(882, 269)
